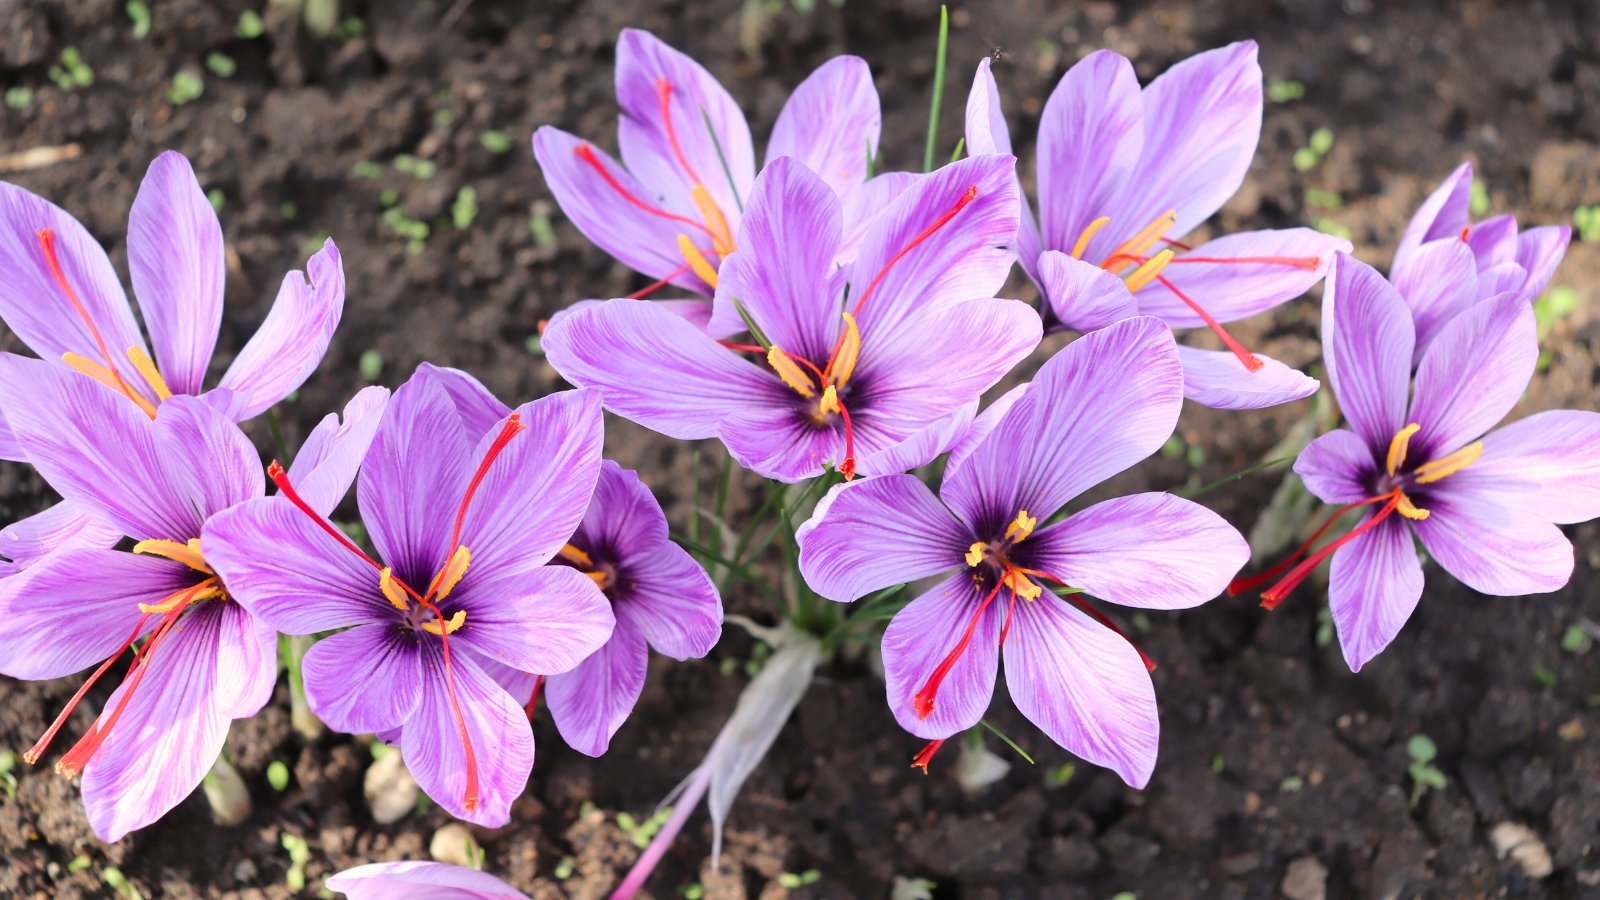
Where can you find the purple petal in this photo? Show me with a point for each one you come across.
(1337, 467)
(1153, 551)
(1202, 119)
(292, 340)
(1367, 340)
(247, 664)
(921, 447)
(364, 680)
(326, 465)
(1494, 549)
(1085, 686)
(67, 524)
(784, 277)
(497, 727)
(1442, 215)
(862, 206)
(784, 444)
(986, 130)
(1216, 378)
(623, 515)
(211, 464)
(1108, 400)
(175, 258)
(1083, 296)
(1440, 283)
(921, 636)
(654, 368)
(77, 607)
(480, 410)
(869, 535)
(980, 428)
(420, 881)
(1256, 271)
(710, 129)
(1549, 462)
(1090, 135)
(644, 238)
(33, 304)
(10, 450)
(592, 701)
(1539, 252)
(830, 124)
(1473, 374)
(543, 620)
(178, 715)
(1373, 586)
(1493, 241)
(1506, 277)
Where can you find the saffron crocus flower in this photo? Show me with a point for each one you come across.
(204, 660)
(1485, 506)
(408, 880)
(849, 363)
(1124, 175)
(1445, 264)
(1097, 407)
(464, 520)
(672, 210)
(661, 597)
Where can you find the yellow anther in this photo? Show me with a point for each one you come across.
(1445, 466)
(1021, 527)
(1410, 510)
(1149, 269)
(450, 575)
(721, 237)
(790, 372)
(844, 361)
(205, 590)
(1397, 447)
(697, 260)
(450, 627)
(1125, 255)
(188, 554)
(600, 579)
(829, 404)
(147, 369)
(575, 556)
(395, 594)
(1022, 585)
(106, 377)
(976, 552)
(1088, 235)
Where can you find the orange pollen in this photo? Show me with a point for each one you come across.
(587, 154)
(47, 243)
(925, 755)
(967, 197)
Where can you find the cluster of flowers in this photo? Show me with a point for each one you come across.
(844, 326)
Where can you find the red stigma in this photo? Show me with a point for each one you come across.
(1466, 230)
(658, 285)
(1228, 340)
(664, 92)
(39, 746)
(47, 243)
(511, 429)
(848, 467)
(533, 701)
(286, 490)
(922, 702)
(967, 197)
(1276, 594)
(587, 154)
(925, 755)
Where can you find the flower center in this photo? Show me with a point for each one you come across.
(603, 574)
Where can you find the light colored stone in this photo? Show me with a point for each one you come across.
(1522, 844)
(390, 790)
(455, 844)
(226, 793)
(1307, 879)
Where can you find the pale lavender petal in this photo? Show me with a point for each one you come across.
(364, 680)
(479, 409)
(671, 601)
(247, 663)
(862, 206)
(34, 305)
(869, 535)
(1106, 401)
(592, 701)
(986, 130)
(831, 123)
(292, 340)
(1153, 551)
(644, 237)
(1492, 548)
(1373, 587)
(1085, 686)
(1506, 277)
(1083, 296)
(785, 444)
(918, 640)
(1367, 340)
(654, 368)
(1337, 467)
(420, 881)
(329, 458)
(77, 607)
(1548, 462)
(921, 447)
(1539, 252)
(1493, 241)
(175, 258)
(1440, 284)
(544, 620)
(1090, 136)
(980, 428)
(784, 276)
(10, 450)
(1473, 374)
(1253, 272)
(1442, 215)
(210, 464)
(66, 524)
(497, 728)
(1216, 378)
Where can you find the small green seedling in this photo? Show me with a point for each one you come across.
(1324, 198)
(497, 142)
(791, 880)
(421, 169)
(299, 855)
(187, 86)
(8, 775)
(1310, 156)
(217, 198)
(250, 25)
(640, 833)
(1327, 225)
(289, 210)
(696, 891)
(1577, 640)
(1325, 632)
(79, 863)
(1478, 198)
(564, 869)
(1291, 785)
(1284, 90)
(278, 775)
(1218, 764)
(370, 364)
(72, 72)
(366, 168)
(19, 97)
(119, 882)
(139, 15)
(465, 207)
(544, 233)
(1422, 751)
(1586, 219)
(1544, 675)
(221, 64)
(1059, 776)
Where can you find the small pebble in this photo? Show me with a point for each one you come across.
(1523, 845)
(1307, 879)
(454, 844)
(390, 790)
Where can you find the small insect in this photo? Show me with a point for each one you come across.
(997, 53)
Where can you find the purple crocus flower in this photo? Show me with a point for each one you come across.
(60, 294)
(1124, 175)
(205, 660)
(1097, 407)
(1445, 264)
(660, 596)
(851, 362)
(408, 880)
(1485, 506)
(674, 210)
(465, 520)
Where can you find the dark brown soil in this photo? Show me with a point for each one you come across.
(1272, 752)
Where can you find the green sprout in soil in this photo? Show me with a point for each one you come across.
(278, 775)
(1327, 225)
(216, 198)
(465, 207)
(289, 210)
(792, 880)
(1324, 198)
(1059, 776)
(564, 869)
(139, 15)
(221, 64)
(415, 231)
(72, 72)
(1586, 219)
(19, 97)
(1422, 751)
(1545, 676)
(421, 169)
(496, 142)
(1310, 156)
(313, 243)
(8, 776)
(299, 855)
(544, 234)
(370, 364)
(350, 29)
(250, 25)
(1218, 764)
(119, 882)
(1284, 90)
(1291, 785)
(1324, 627)
(696, 891)
(640, 833)
(79, 863)
(1577, 640)
(1478, 198)
(366, 168)
(187, 86)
